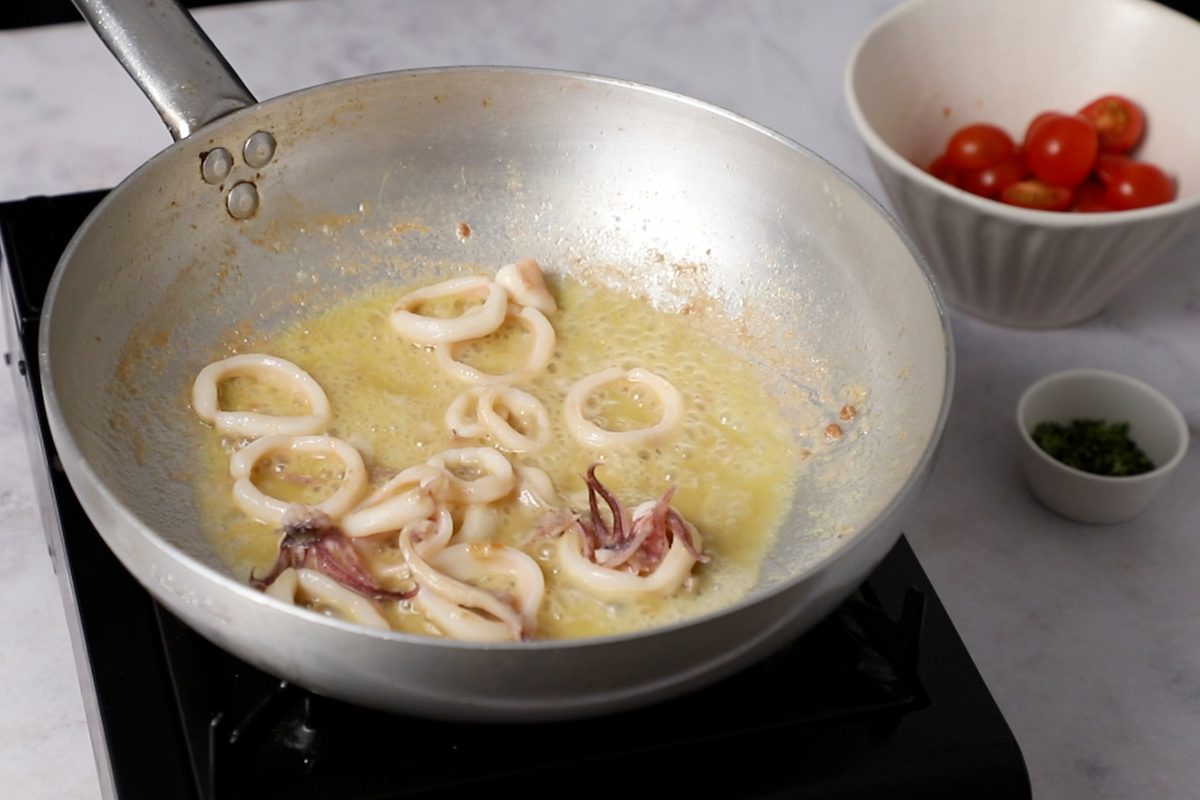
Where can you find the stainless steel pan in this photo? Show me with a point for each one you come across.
(264, 210)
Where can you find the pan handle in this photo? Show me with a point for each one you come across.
(170, 58)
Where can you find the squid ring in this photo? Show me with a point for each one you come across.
(527, 285)
(461, 425)
(539, 355)
(284, 586)
(434, 533)
(535, 488)
(667, 577)
(521, 404)
(498, 481)
(478, 561)
(451, 604)
(471, 324)
(325, 591)
(264, 508)
(588, 433)
(464, 623)
(478, 524)
(252, 423)
(410, 496)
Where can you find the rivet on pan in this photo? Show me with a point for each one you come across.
(216, 165)
(259, 149)
(242, 201)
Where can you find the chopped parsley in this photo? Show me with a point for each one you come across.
(1094, 446)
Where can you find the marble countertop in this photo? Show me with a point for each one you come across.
(1089, 638)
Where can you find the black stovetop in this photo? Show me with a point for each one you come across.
(880, 699)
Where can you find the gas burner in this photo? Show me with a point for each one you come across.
(881, 698)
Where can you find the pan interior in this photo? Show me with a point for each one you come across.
(412, 176)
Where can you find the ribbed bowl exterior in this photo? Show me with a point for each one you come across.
(926, 68)
(1025, 274)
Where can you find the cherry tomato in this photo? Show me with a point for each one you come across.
(943, 170)
(1034, 124)
(1089, 197)
(1139, 184)
(979, 146)
(1062, 149)
(1108, 164)
(1065, 161)
(1118, 121)
(990, 181)
(1037, 195)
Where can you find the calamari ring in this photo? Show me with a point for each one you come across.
(463, 623)
(520, 404)
(477, 561)
(454, 606)
(526, 285)
(498, 481)
(539, 355)
(389, 508)
(437, 533)
(667, 577)
(473, 323)
(252, 423)
(349, 605)
(588, 433)
(284, 586)
(264, 508)
(535, 488)
(478, 524)
(457, 420)
(434, 533)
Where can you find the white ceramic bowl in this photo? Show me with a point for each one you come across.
(932, 66)
(1155, 424)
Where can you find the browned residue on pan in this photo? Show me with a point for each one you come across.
(292, 222)
(404, 228)
(227, 271)
(351, 107)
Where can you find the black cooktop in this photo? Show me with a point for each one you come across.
(879, 700)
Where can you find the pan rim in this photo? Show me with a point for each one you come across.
(80, 469)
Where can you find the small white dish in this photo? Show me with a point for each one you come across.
(1155, 424)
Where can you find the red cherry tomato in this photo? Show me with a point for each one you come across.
(990, 181)
(1037, 195)
(943, 170)
(979, 146)
(1139, 184)
(1065, 161)
(1062, 149)
(1034, 124)
(1108, 164)
(1089, 197)
(1118, 121)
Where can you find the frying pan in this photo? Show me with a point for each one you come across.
(262, 211)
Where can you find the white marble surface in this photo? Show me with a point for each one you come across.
(1089, 638)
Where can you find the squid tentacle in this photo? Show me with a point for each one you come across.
(311, 540)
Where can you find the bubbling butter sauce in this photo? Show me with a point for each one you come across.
(733, 460)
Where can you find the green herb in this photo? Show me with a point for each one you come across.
(1094, 446)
